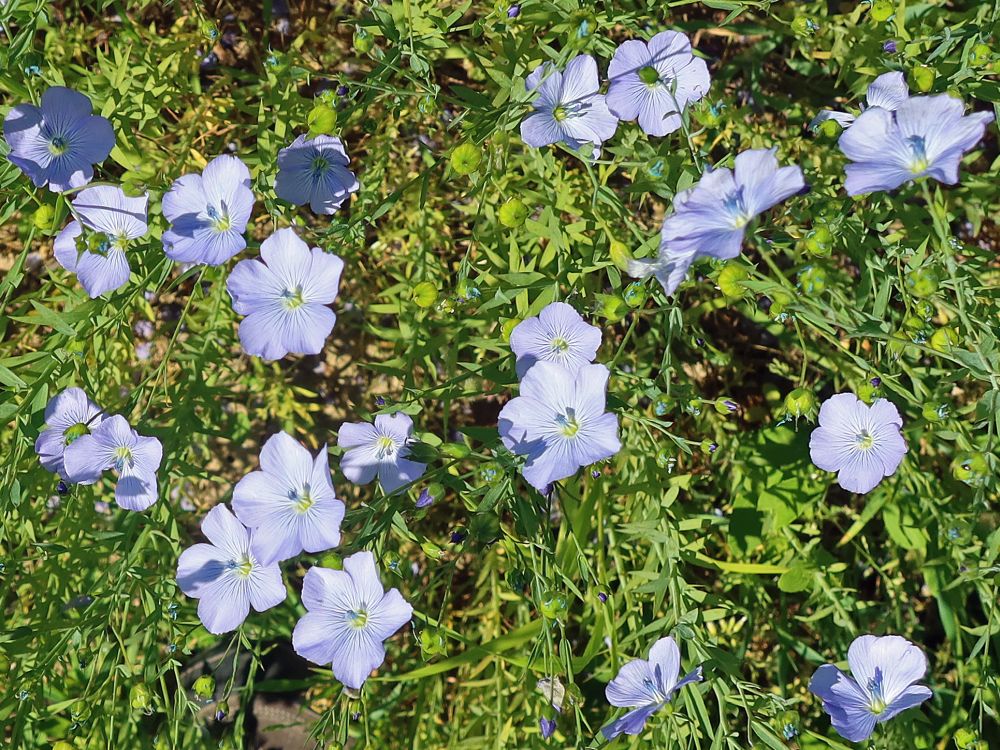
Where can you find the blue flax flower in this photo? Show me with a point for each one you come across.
(711, 218)
(558, 422)
(558, 334)
(887, 91)
(290, 502)
(227, 575)
(113, 444)
(58, 143)
(568, 107)
(349, 616)
(653, 82)
(285, 297)
(861, 443)
(381, 450)
(99, 260)
(925, 136)
(208, 213)
(68, 415)
(646, 687)
(884, 672)
(314, 171)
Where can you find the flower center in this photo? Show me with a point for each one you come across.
(357, 618)
(560, 113)
(919, 161)
(75, 431)
(302, 500)
(293, 298)
(220, 221)
(58, 145)
(568, 424)
(123, 457)
(649, 75)
(737, 208)
(877, 704)
(242, 567)
(864, 440)
(319, 166)
(384, 447)
(559, 345)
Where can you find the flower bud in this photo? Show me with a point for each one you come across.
(635, 294)
(432, 642)
(139, 697)
(513, 213)
(661, 405)
(830, 129)
(726, 406)
(819, 242)
(804, 26)
(708, 446)
(363, 41)
(466, 158)
(332, 560)
(620, 254)
(613, 307)
(979, 55)
(934, 412)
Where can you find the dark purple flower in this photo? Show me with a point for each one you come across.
(425, 499)
(513, 11)
(547, 726)
(58, 143)
(889, 47)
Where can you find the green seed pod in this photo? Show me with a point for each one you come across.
(665, 458)
(332, 560)
(204, 687)
(425, 294)
(943, 339)
(432, 642)
(455, 450)
(801, 403)
(882, 10)
(779, 301)
(934, 412)
(466, 158)
(980, 55)
(553, 605)
(730, 280)
(635, 294)
(924, 309)
(507, 327)
(140, 698)
(971, 467)
(513, 213)
(709, 115)
(43, 218)
(620, 254)
(812, 280)
(830, 129)
(363, 41)
(613, 307)
(866, 392)
(322, 120)
(922, 282)
(923, 78)
(62, 745)
(819, 242)
(804, 26)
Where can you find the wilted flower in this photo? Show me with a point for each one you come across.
(227, 575)
(646, 687)
(68, 415)
(887, 91)
(99, 261)
(653, 82)
(547, 727)
(925, 136)
(290, 501)
(208, 213)
(285, 296)
(558, 422)
(568, 107)
(349, 616)
(711, 218)
(58, 143)
(558, 334)
(379, 449)
(884, 672)
(113, 444)
(861, 443)
(314, 171)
